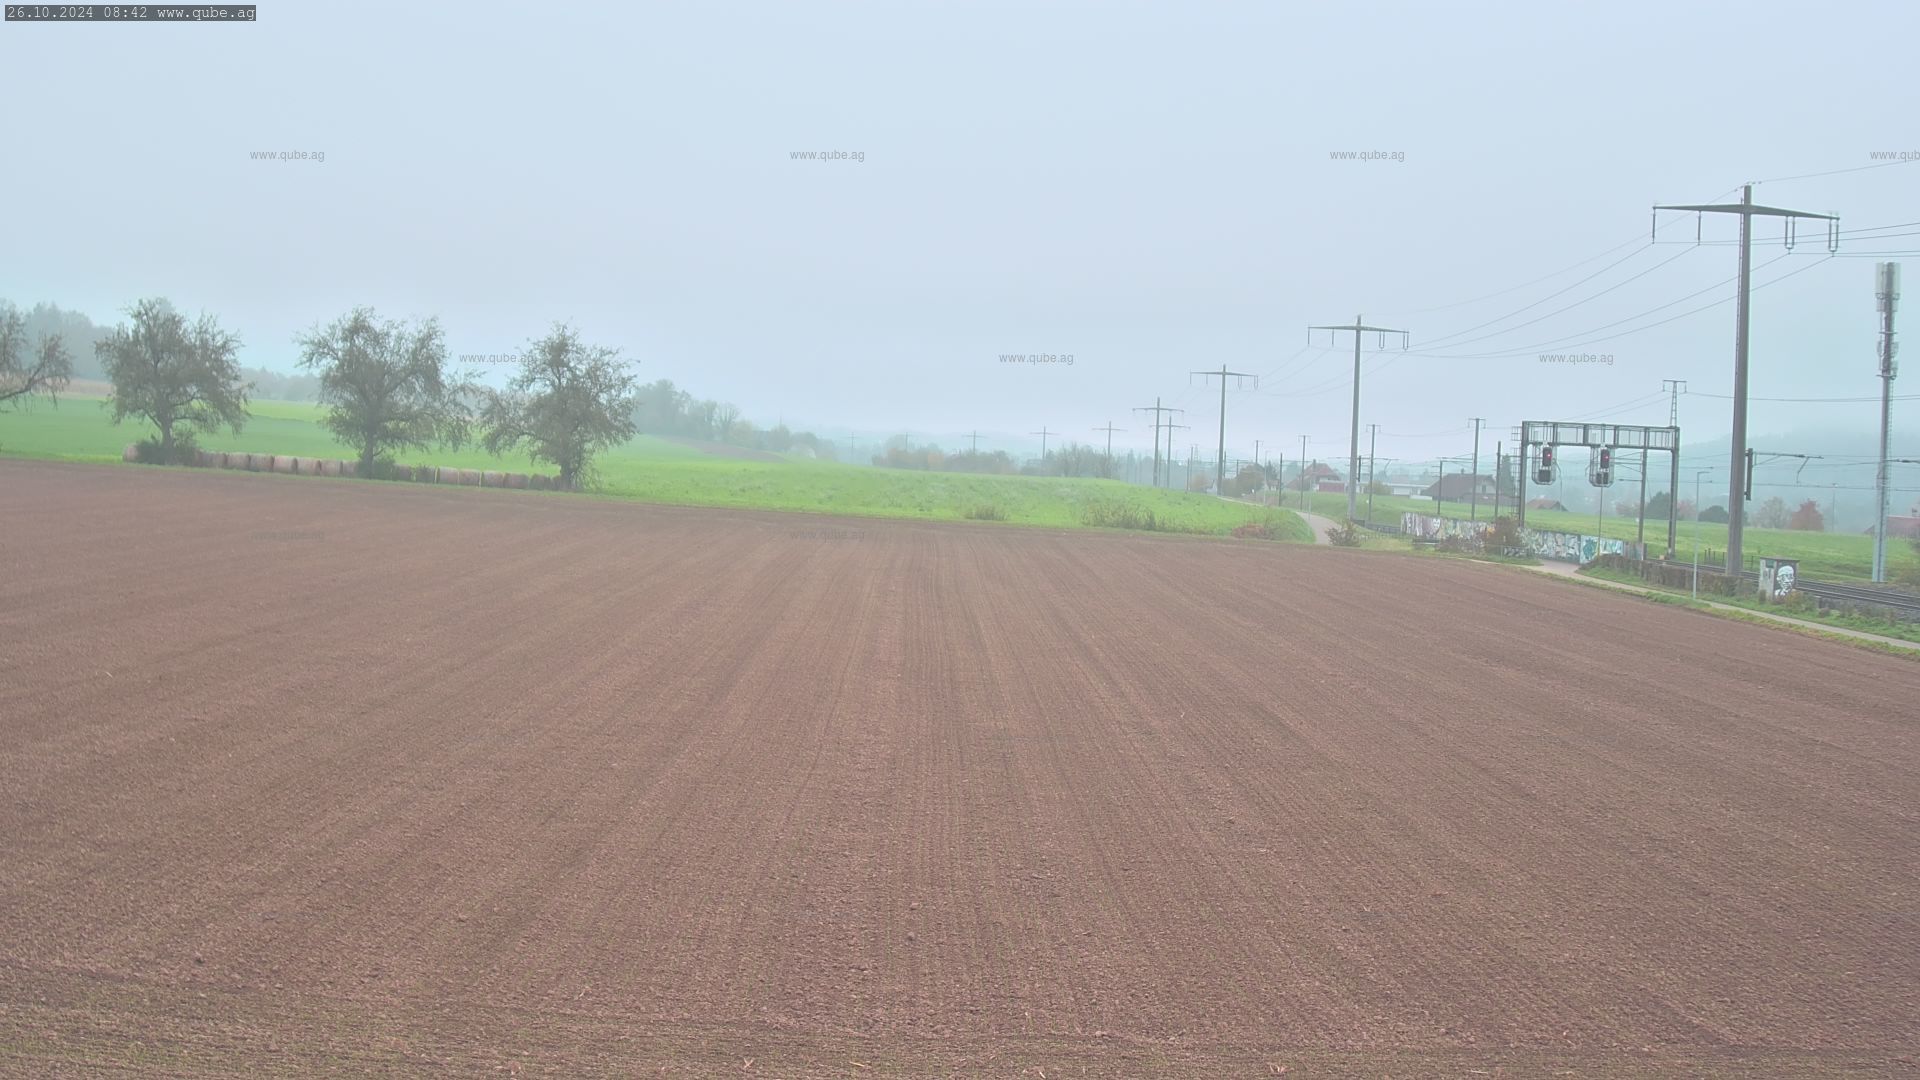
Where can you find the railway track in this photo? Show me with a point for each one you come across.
(1907, 604)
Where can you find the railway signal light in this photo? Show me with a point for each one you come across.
(1601, 472)
(1544, 474)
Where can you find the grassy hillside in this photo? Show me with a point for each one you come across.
(655, 470)
(1824, 556)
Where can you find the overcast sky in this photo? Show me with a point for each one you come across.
(1149, 188)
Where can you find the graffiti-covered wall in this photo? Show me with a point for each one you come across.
(1559, 546)
(1422, 527)
(1570, 547)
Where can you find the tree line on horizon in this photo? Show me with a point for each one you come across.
(663, 409)
(1072, 459)
(80, 336)
(386, 385)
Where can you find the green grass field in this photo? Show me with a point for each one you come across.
(654, 470)
(1823, 556)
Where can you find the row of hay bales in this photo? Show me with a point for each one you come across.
(307, 466)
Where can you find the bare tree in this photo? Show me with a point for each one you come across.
(570, 401)
(181, 377)
(385, 385)
(1772, 514)
(48, 371)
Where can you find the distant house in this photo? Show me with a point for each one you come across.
(1459, 487)
(1405, 484)
(1331, 487)
(1545, 504)
(1322, 476)
(1901, 528)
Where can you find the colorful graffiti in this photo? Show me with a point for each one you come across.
(1570, 547)
(1422, 527)
(1558, 546)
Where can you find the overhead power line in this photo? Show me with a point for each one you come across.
(1807, 400)
(1560, 311)
(1636, 240)
(1563, 343)
(1833, 172)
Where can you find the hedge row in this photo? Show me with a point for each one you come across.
(307, 466)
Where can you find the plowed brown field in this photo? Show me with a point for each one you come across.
(304, 776)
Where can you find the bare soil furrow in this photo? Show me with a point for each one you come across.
(300, 777)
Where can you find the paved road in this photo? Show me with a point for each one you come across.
(1321, 526)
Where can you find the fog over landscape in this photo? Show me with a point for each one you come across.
(914, 539)
(1151, 191)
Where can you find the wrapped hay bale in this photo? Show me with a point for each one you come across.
(425, 474)
(470, 477)
(131, 453)
(232, 460)
(284, 464)
(537, 482)
(445, 475)
(259, 462)
(207, 459)
(516, 480)
(493, 479)
(330, 468)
